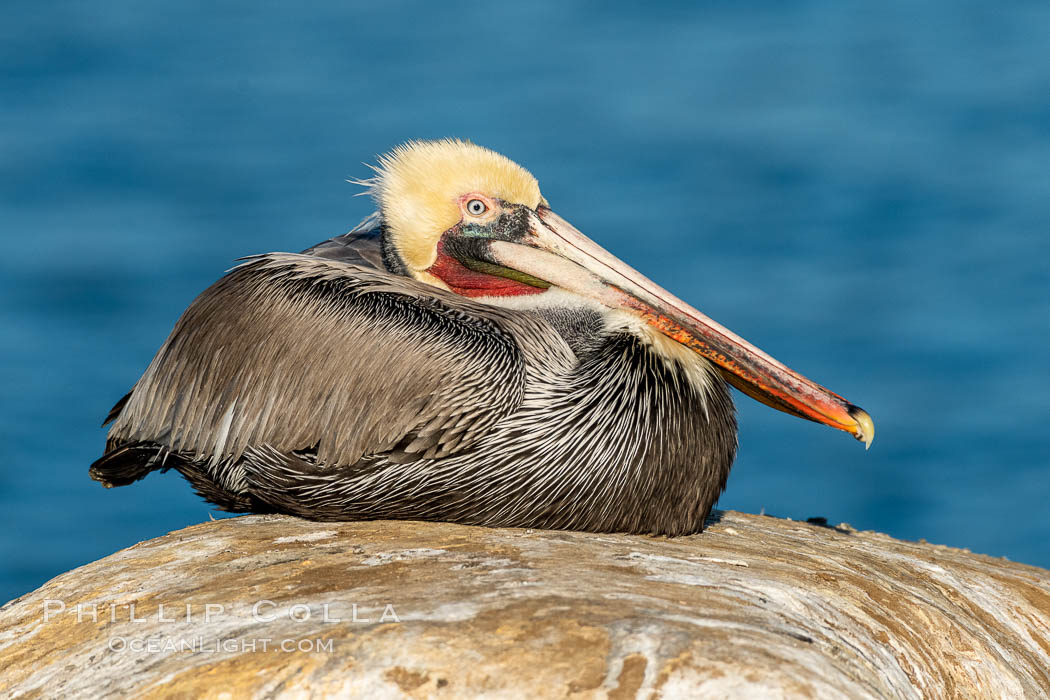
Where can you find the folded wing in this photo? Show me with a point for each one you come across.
(309, 353)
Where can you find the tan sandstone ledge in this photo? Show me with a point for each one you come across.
(754, 607)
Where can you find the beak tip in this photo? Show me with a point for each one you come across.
(865, 431)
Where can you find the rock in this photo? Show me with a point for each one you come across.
(755, 606)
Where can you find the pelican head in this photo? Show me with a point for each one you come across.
(470, 220)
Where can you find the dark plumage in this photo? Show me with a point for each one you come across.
(453, 413)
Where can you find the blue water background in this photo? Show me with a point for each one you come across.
(860, 188)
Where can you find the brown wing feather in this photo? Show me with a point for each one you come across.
(362, 246)
(298, 352)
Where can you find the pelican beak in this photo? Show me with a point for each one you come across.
(555, 251)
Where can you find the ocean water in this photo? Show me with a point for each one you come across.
(861, 189)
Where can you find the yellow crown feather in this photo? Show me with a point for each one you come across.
(418, 186)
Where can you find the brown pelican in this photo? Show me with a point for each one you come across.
(464, 354)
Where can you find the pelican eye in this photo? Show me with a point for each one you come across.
(476, 207)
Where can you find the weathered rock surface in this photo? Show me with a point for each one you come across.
(755, 606)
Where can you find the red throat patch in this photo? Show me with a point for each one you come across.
(470, 283)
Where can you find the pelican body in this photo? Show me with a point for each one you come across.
(463, 355)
